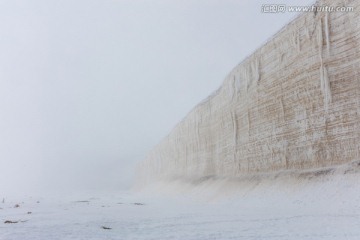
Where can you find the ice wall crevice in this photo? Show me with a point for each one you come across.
(293, 104)
(325, 86)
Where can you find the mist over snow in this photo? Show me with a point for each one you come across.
(87, 88)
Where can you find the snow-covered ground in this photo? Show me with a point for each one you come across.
(308, 207)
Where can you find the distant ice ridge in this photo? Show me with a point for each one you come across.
(294, 104)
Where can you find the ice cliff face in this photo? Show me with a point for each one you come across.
(292, 104)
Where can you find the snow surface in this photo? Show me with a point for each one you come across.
(324, 207)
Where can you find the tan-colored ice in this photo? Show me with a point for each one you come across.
(293, 104)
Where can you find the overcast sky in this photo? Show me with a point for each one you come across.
(87, 87)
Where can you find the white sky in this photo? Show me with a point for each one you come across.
(87, 87)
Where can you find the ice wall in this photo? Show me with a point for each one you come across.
(293, 104)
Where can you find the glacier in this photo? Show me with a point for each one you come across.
(294, 104)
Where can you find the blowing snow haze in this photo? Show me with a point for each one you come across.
(87, 88)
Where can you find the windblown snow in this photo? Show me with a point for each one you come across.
(323, 204)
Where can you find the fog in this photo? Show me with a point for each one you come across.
(87, 88)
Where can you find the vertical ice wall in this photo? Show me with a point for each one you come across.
(292, 104)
